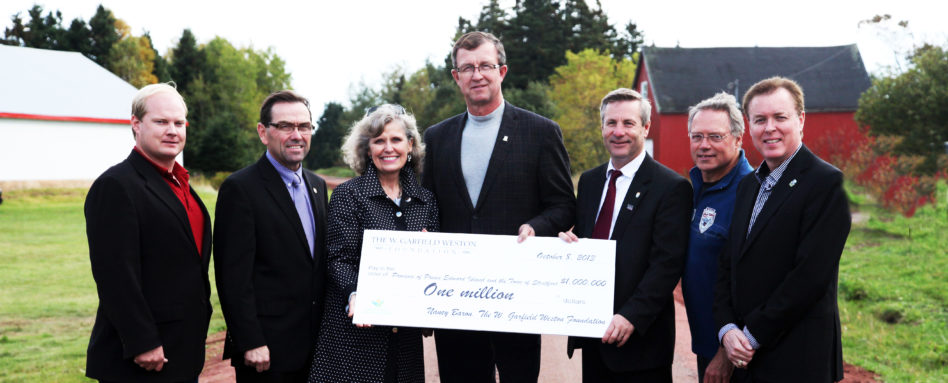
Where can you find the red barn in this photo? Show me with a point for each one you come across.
(675, 78)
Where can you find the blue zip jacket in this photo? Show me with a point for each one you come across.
(710, 222)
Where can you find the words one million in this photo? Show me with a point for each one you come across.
(486, 292)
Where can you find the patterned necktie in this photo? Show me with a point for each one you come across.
(604, 221)
(302, 209)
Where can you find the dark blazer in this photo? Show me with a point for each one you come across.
(651, 235)
(527, 180)
(271, 290)
(780, 281)
(152, 282)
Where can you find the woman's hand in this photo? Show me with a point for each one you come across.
(352, 300)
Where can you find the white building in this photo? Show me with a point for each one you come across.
(62, 116)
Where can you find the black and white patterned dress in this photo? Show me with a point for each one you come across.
(345, 353)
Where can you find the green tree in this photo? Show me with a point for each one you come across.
(187, 61)
(628, 42)
(162, 70)
(45, 32)
(535, 98)
(537, 43)
(104, 35)
(589, 28)
(912, 105)
(576, 90)
(324, 151)
(132, 59)
(224, 103)
(78, 38)
(493, 19)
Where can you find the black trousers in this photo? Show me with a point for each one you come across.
(246, 374)
(470, 356)
(594, 370)
(702, 367)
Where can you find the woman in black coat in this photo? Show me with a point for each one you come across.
(385, 148)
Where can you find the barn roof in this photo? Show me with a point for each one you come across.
(832, 77)
(60, 84)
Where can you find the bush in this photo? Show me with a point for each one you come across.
(218, 178)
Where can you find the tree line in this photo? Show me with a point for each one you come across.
(563, 57)
(223, 84)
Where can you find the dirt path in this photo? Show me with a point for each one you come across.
(555, 367)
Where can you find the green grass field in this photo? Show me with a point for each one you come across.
(47, 295)
(893, 293)
(893, 289)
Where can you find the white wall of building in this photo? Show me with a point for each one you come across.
(57, 150)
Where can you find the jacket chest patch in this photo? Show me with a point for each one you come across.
(707, 219)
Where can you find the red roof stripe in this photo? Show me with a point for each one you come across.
(25, 116)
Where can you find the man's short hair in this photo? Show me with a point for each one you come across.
(722, 102)
(767, 86)
(266, 110)
(138, 102)
(626, 94)
(472, 40)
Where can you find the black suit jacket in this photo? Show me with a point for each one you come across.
(271, 290)
(152, 282)
(780, 281)
(651, 234)
(527, 180)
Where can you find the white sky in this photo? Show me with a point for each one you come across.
(329, 46)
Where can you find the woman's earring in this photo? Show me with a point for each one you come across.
(409, 157)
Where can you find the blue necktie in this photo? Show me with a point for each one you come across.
(301, 199)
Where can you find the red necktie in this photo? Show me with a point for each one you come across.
(604, 221)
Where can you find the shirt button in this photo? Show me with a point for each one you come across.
(395, 330)
(398, 214)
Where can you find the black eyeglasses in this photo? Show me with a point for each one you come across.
(305, 128)
(399, 110)
(468, 70)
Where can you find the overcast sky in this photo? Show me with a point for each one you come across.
(331, 45)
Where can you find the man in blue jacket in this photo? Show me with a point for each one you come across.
(715, 127)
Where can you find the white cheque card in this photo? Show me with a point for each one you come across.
(486, 282)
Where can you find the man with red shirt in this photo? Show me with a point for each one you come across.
(149, 245)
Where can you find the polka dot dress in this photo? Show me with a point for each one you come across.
(345, 353)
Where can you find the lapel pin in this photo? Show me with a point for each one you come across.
(637, 194)
(314, 191)
(505, 138)
(793, 182)
(629, 207)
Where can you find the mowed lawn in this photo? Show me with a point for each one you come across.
(893, 289)
(893, 293)
(47, 294)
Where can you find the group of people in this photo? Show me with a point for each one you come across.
(758, 265)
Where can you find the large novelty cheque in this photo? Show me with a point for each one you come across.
(486, 282)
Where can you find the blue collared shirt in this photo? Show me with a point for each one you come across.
(290, 177)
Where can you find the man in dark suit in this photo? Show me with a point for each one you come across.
(775, 299)
(495, 169)
(270, 249)
(149, 245)
(645, 207)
